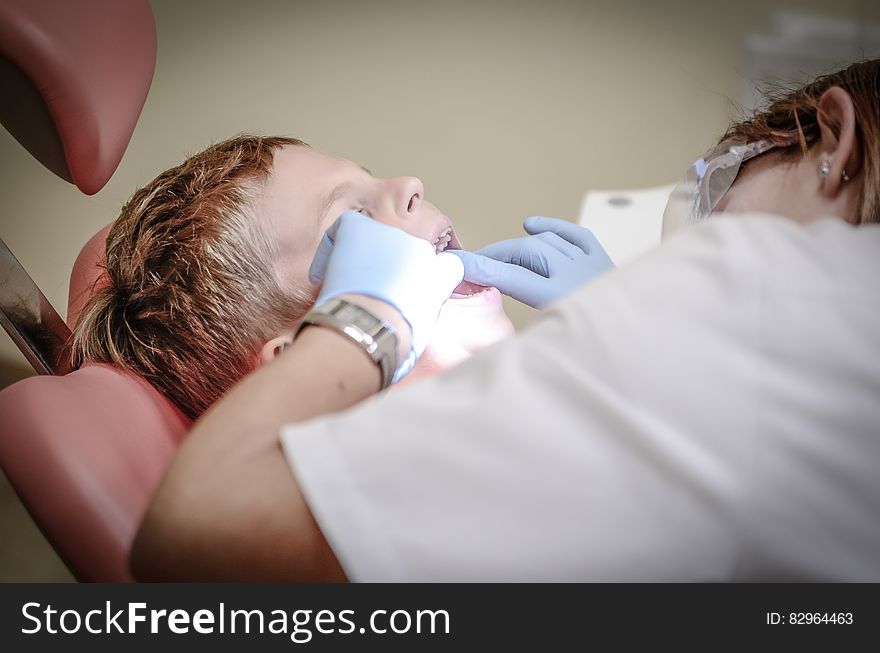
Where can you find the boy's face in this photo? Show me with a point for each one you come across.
(308, 189)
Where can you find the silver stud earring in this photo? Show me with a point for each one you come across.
(845, 176)
(824, 168)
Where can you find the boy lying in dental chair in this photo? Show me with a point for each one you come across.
(207, 266)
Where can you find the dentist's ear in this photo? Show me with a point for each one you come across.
(273, 348)
(839, 145)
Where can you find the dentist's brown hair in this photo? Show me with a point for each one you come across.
(790, 121)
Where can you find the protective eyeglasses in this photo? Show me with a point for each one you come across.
(706, 182)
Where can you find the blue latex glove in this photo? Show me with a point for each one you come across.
(555, 259)
(361, 256)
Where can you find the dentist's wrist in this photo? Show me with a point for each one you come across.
(391, 315)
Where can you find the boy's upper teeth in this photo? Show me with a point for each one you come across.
(442, 241)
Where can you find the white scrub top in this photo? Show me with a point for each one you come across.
(710, 412)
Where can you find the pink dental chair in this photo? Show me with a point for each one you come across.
(85, 449)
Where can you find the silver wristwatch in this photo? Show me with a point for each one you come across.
(372, 333)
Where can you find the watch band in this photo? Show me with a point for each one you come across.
(373, 334)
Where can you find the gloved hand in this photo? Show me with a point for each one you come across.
(358, 255)
(537, 269)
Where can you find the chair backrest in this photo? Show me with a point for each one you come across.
(85, 451)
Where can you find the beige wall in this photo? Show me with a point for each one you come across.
(504, 109)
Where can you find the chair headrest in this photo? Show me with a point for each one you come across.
(75, 76)
(88, 274)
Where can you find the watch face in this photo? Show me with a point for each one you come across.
(364, 322)
(369, 331)
(359, 318)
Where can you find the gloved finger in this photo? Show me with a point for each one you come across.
(325, 248)
(450, 272)
(475, 269)
(580, 236)
(598, 253)
(572, 252)
(446, 273)
(512, 280)
(528, 252)
(322, 256)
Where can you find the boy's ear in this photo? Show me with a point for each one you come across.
(839, 144)
(274, 347)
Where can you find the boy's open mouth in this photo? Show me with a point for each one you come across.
(448, 240)
(468, 289)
